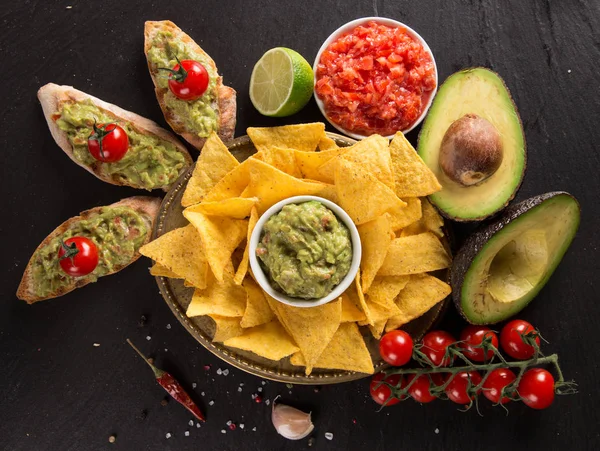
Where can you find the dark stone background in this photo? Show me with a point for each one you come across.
(58, 392)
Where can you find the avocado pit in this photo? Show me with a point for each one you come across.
(471, 150)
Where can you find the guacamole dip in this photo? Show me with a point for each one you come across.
(117, 232)
(305, 250)
(149, 163)
(199, 116)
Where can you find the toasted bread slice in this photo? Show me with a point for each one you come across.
(225, 103)
(147, 207)
(51, 97)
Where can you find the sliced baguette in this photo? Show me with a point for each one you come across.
(147, 206)
(225, 104)
(51, 96)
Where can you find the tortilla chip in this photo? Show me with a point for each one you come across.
(430, 221)
(226, 327)
(311, 328)
(375, 238)
(356, 296)
(303, 137)
(159, 270)
(372, 154)
(329, 192)
(380, 313)
(345, 351)
(402, 217)
(309, 162)
(234, 207)
(326, 143)
(420, 294)
(385, 289)
(222, 299)
(268, 340)
(361, 195)
(350, 312)
(415, 254)
(243, 266)
(377, 328)
(213, 163)
(180, 251)
(413, 177)
(271, 185)
(219, 237)
(257, 309)
(231, 185)
(281, 158)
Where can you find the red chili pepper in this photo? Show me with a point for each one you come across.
(173, 388)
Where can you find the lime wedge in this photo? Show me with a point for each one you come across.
(281, 83)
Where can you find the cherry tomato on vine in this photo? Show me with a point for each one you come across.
(78, 256)
(381, 392)
(434, 347)
(396, 347)
(108, 143)
(188, 80)
(459, 385)
(536, 388)
(511, 339)
(495, 382)
(471, 337)
(420, 389)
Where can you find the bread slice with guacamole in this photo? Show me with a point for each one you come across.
(165, 43)
(117, 230)
(154, 159)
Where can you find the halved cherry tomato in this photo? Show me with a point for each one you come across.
(459, 388)
(495, 382)
(188, 80)
(511, 339)
(78, 256)
(420, 389)
(434, 347)
(536, 388)
(471, 337)
(381, 392)
(108, 143)
(396, 347)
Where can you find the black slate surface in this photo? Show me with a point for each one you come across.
(59, 392)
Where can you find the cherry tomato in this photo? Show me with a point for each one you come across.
(188, 80)
(420, 389)
(457, 388)
(434, 347)
(381, 393)
(108, 143)
(396, 347)
(78, 256)
(495, 382)
(471, 337)
(512, 341)
(536, 388)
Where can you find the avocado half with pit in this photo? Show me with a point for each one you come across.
(472, 139)
(503, 266)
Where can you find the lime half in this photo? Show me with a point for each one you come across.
(281, 83)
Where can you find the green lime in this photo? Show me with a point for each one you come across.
(281, 83)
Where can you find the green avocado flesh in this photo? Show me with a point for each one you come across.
(482, 92)
(305, 250)
(149, 163)
(117, 232)
(517, 260)
(200, 115)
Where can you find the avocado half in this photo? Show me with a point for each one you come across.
(504, 265)
(480, 92)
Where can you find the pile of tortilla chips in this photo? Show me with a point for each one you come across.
(381, 185)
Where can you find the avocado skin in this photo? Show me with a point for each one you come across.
(521, 176)
(475, 242)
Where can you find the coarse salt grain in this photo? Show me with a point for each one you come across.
(198, 425)
(96, 345)
(186, 433)
(239, 389)
(229, 423)
(223, 431)
(219, 371)
(211, 403)
(191, 422)
(203, 393)
(437, 431)
(148, 337)
(263, 382)
(267, 402)
(168, 326)
(241, 425)
(168, 435)
(194, 385)
(225, 372)
(259, 389)
(241, 384)
(254, 429)
(328, 435)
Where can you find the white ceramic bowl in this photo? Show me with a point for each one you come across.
(390, 23)
(261, 277)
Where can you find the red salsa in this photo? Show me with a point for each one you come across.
(375, 79)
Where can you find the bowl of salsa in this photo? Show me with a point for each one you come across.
(374, 75)
(305, 251)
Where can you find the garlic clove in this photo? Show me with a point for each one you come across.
(290, 422)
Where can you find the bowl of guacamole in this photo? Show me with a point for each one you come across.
(305, 251)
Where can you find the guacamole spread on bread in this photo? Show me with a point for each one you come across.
(305, 250)
(149, 163)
